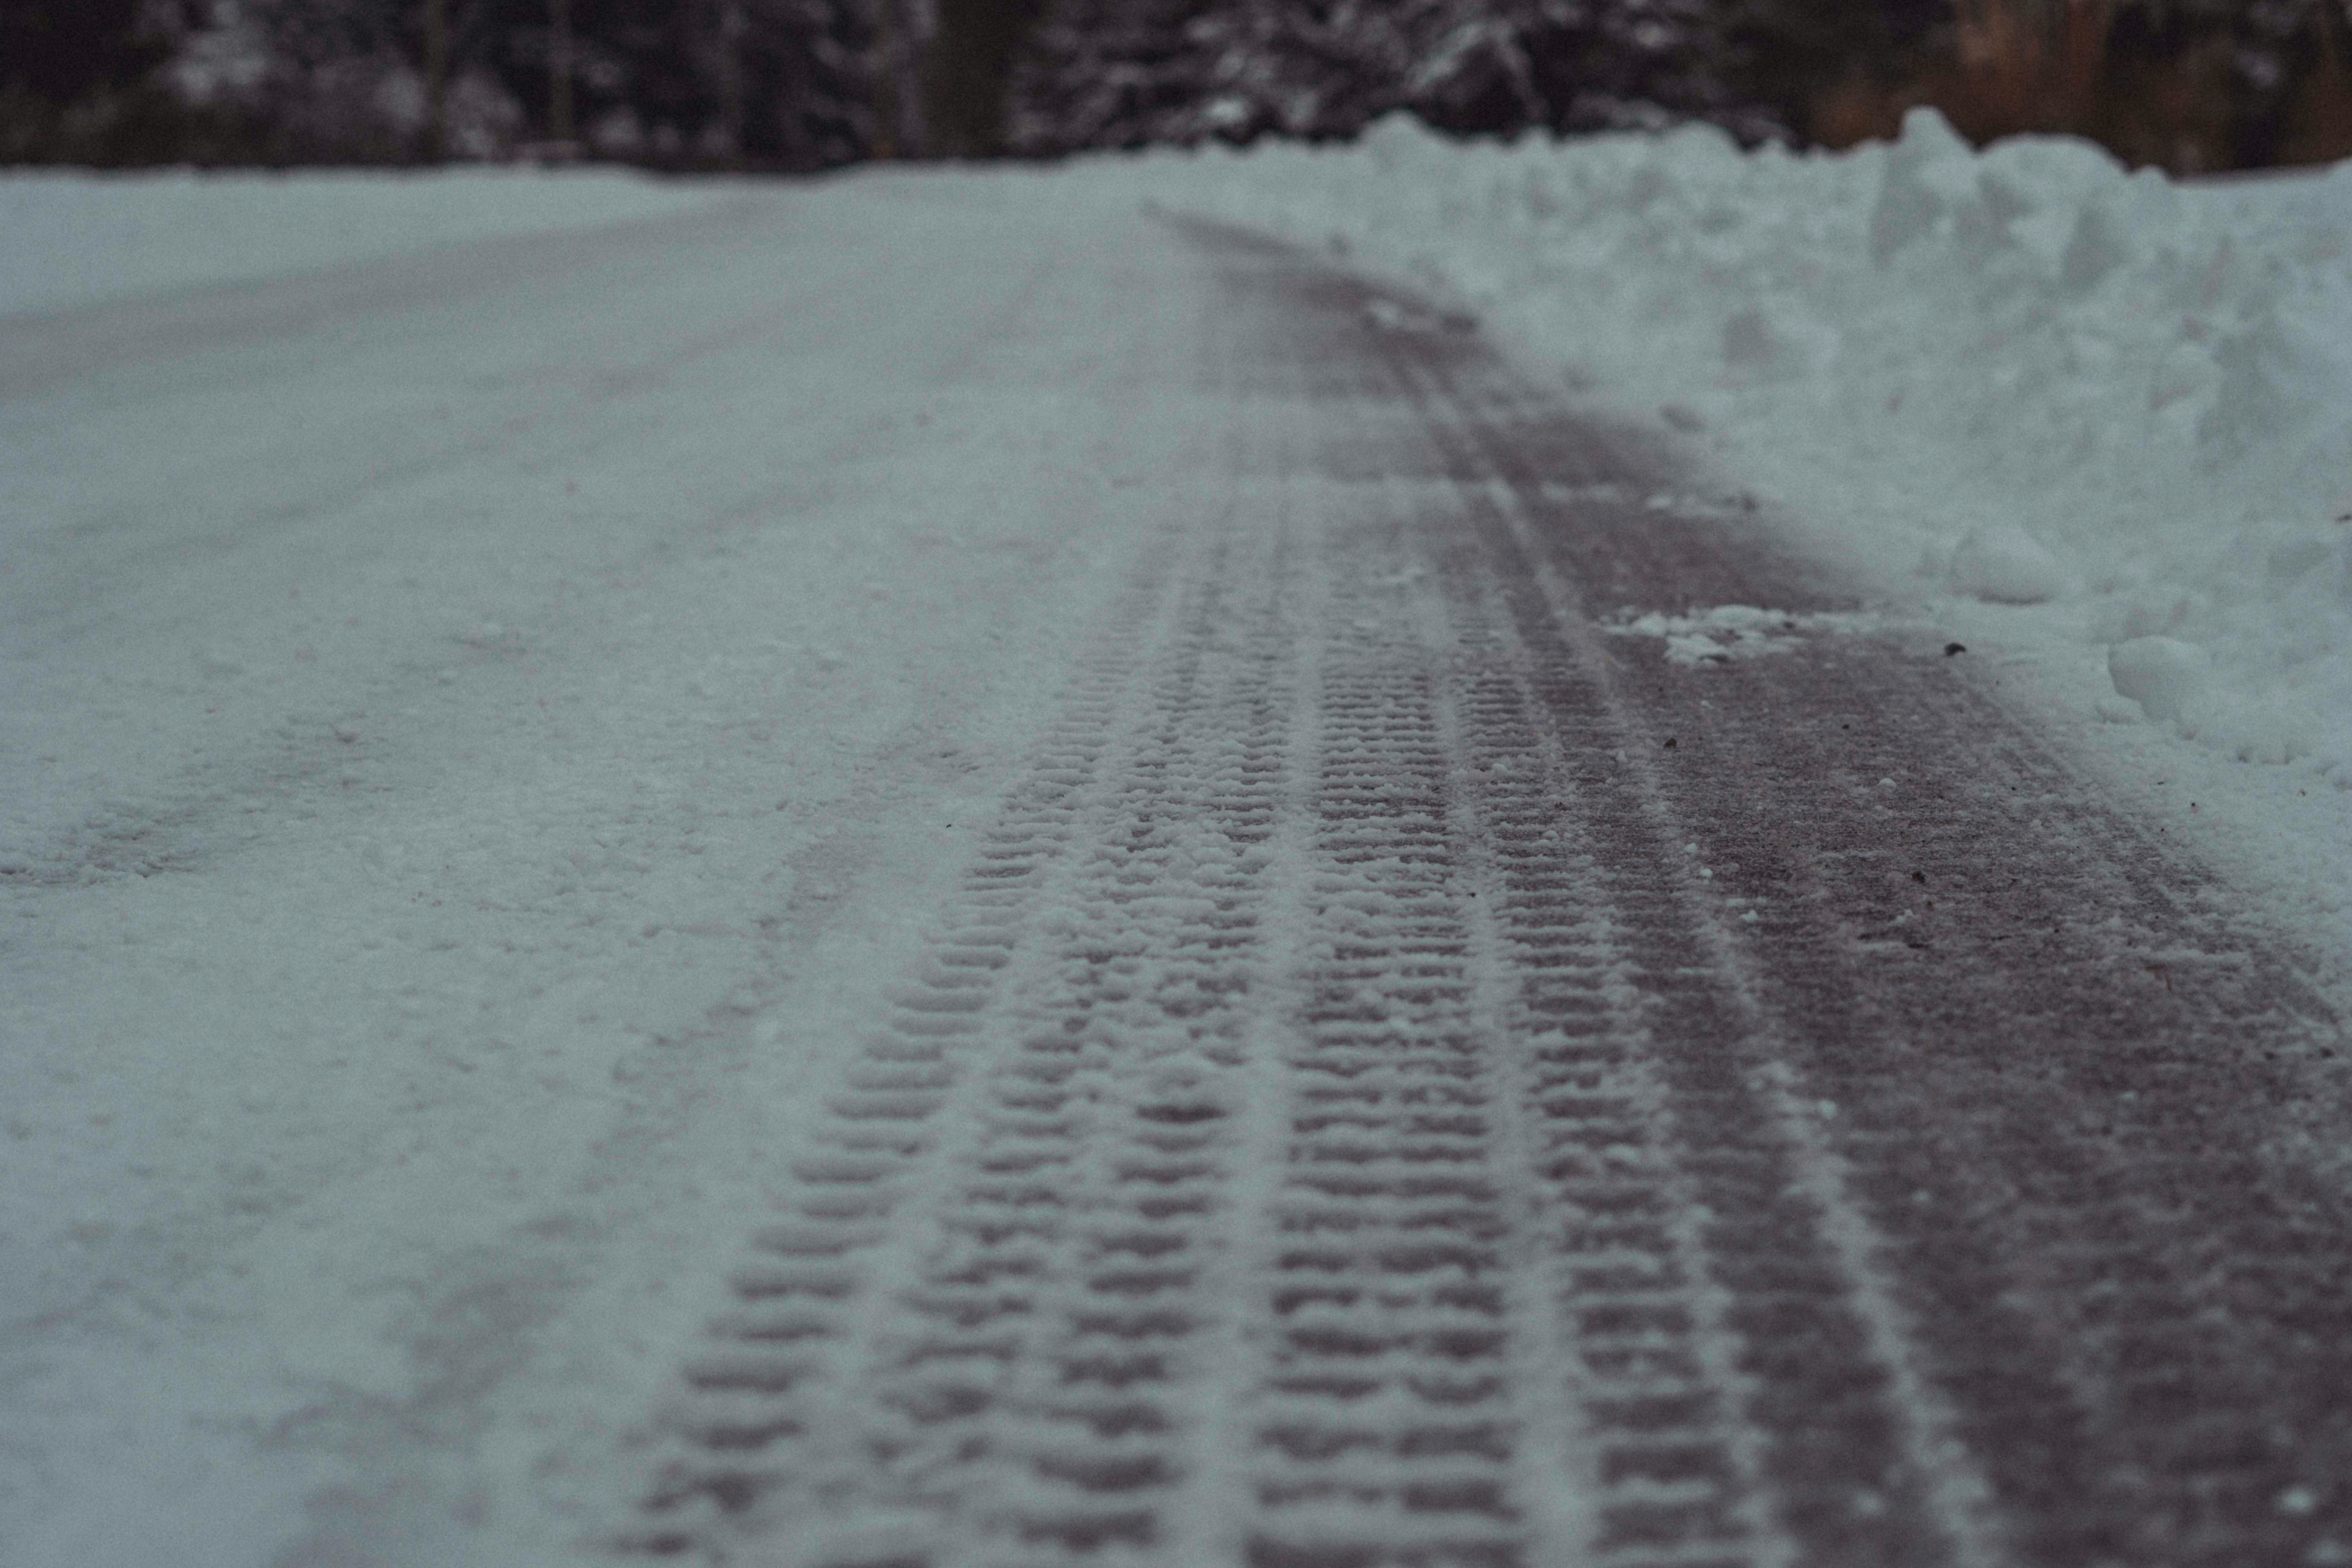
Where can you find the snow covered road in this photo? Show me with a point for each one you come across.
(450, 702)
(902, 874)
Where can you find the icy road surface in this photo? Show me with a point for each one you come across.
(894, 874)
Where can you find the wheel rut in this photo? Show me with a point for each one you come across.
(1413, 1078)
(2109, 1276)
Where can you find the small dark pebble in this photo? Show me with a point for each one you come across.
(1952, 648)
(1918, 876)
(1670, 742)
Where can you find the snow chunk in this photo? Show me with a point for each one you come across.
(2118, 710)
(1926, 170)
(2006, 566)
(2163, 675)
(1731, 632)
(2259, 728)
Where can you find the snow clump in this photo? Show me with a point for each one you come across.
(2163, 675)
(2004, 564)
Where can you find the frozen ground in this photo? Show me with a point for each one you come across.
(457, 692)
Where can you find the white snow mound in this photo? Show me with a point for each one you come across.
(1729, 633)
(2004, 564)
(2163, 675)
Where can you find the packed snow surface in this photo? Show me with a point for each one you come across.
(2062, 407)
(427, 710)
(70, 240)
(446, 703)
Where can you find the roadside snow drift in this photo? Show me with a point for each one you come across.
(2025, 375)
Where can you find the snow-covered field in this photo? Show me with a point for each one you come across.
(2101, 421)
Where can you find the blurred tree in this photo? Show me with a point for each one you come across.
(2187, 85)
(2313, 121)
(1807, 58)
(562, 126)
(967, 73)
(71, 70)
(801, 84)
(702, 83)
(1108, 73)
(433, 137)
(1125, 72)
(60, 51)
(901, 32)
(814, 72)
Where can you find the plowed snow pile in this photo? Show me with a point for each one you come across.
(2072, 408)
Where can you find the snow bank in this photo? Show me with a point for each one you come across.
(2021, 377)
(72, 238)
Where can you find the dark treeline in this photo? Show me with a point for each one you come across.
(807, 84)
(2189, 85)
(777, 83)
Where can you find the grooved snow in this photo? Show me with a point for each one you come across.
(649, 882)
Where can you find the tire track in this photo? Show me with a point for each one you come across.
(1383, 1411)
(982, 1339)
(1413, 1081)
(1673, 1467)
(1046, 1367)
(2100, 1268)
(752, 1411)
(1857, 1453)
